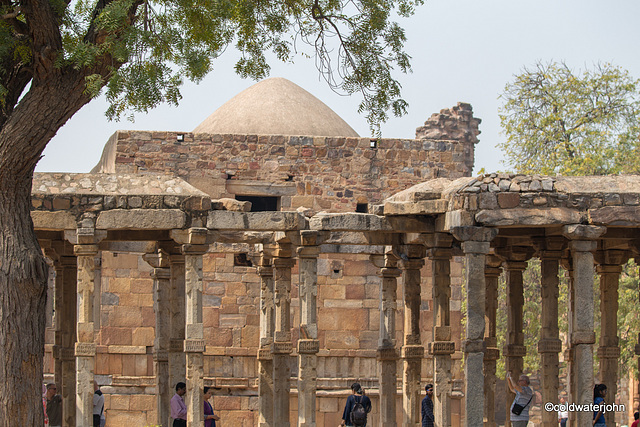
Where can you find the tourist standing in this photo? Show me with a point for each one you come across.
(520, 406)
(357, 407)
(599, 392)
(209, 417)
(563, 413)
(98, 404)
(428, 419)
(178, 407)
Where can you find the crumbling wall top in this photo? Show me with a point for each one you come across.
(455, 123)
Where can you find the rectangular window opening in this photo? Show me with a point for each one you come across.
(261, 203)
(362, 208)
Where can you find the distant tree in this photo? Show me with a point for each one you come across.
(557, 121)
(56, 55)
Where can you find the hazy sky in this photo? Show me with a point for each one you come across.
(463, 50)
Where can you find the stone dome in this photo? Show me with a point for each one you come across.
(275, 106)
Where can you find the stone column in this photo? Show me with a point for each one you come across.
(582, 244)
(282, 337)
(567, 264)
(57, 304)
(176, 357)
(387, 354)
(412, 351)
(68, 328)
(514, 349)
(475, 244)
(308, 344)
(442, 346)
(492, 353)
(609, 268)
(265, 356)
(161, 275)
(85, 347)
(194, 330)
(550, 345)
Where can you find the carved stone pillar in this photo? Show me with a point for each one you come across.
(514, 349)
(265, 356)
(609, 268)
(161, 275)
(85, 347)
(550, 345)
(442, 346)
(67, 350)
(176, 356)
(194, 329)
(282, 337)
(412, 350)
(475, 245)
(567, 264)
(387, 353)
(308, 344)
(582, 245)
(492, 353)
(57, 304)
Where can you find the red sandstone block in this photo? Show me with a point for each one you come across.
(129, 365)
(228, 403)
(115, 336)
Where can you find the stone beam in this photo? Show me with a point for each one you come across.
(530, 217)
(141, 219)
(256, 221)
(58, 220)
(425, 207)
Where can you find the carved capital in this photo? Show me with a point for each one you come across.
(308, 346)
(160, 356)
(85, 349)
(265, 354)
(442, 347)
(514, 350)
(473, 346)
(549, 346)
(412, 352)
(583, 232)
(282, 347)
(67, 353)
(583, 337)
(176, 346)
(491, 353)
(390, 272)
(85, 250)
(194, 346)
(387, 353)
(609, 352)
(308, 251)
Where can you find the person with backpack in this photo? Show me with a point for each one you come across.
(357, 407)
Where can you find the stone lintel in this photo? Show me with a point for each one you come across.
(549, 346)
(473, 346)
(308, 346)
(514, 350)
(163, 273)
(282, 347)
(412, 352)
(583, 337)
(583, 232)
(59, 220)
(387, 353)
(441, 347)
(608, 269)
(194, 346)
(310, 237)
(261, 188)
(390, 272)
(455, 219)
(624, 216)
(530, 217)
(284, 262)
(157, 259)
(85, 349)
(265, 354)
(491, 353)
(440, 253)
(256, 221)
(141, 219)
(609, 352)
(424, 207)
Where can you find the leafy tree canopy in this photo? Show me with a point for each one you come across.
(559, 121)
(143, 50)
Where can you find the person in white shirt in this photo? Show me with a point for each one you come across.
(98, 404)
(563, 414)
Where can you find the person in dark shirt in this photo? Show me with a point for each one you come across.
(356, 396)
(54, 406)
(427, 408)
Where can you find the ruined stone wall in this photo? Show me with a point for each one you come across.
(331, 174)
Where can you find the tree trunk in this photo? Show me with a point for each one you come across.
(23, 271)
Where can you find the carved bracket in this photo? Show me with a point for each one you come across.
(608, 352)
(412, 352)
(194, 346)
(583, 338)
(308, 346)
(442, 347)
(176, 346)
(549, 346)
(265, 354)
(85, 349)
(387, 353)
(282, 348)
(513, 350)
(161, 356)
(491, 353)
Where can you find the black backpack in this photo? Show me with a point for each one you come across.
(358, 413)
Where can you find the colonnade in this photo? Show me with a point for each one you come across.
(179, 344)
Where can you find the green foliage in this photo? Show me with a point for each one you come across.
(145, 49)
(629, 317)
(558, 121)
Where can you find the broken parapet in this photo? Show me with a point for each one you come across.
(456, 123)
